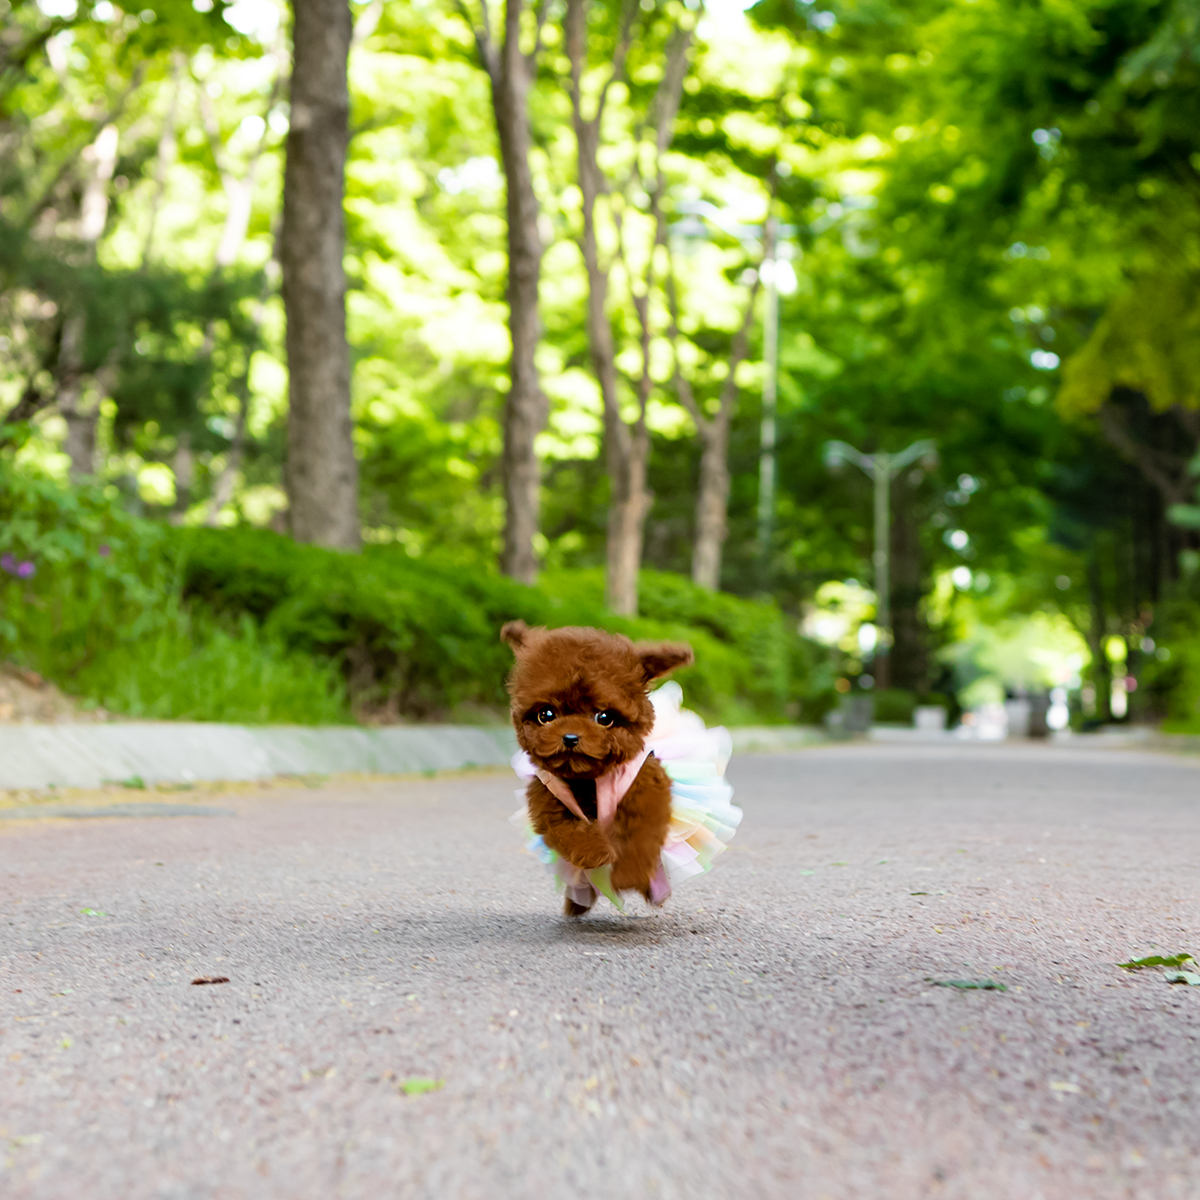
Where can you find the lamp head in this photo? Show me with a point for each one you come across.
(833, 456)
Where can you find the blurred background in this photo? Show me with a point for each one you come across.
(855, 342)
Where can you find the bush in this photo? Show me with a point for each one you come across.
(1171, 689)
(419, 637)
(90, 598)
(245, 625)
(894, 706)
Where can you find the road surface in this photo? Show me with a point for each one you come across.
(407, 1015)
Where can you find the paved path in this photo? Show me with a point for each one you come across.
(772, 1033)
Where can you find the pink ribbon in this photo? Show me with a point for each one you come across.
(611, 789)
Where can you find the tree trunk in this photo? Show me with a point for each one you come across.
(82, 417)
(322, 472)
(627, 445)
(909, 658)
(167, 150)
(526, 408)
(183, 467)
(1101, 671)
(712, 504)
(628, 506)
(627, 450)
(80, 443)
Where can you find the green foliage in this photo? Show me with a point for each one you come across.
(971, 985)
(1149, 340)
(1155, 960)
(894, 706)
(987, 198)
(245, 625)
(1170, 686)
(419, 637)
(89, 598)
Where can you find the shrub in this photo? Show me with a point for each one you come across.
(89, 597)
(245, 625)
(419, 637)
(894, 706)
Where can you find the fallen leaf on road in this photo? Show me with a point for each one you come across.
(1188, 977)
(210, 979)
(971, 985)
(93, 912)
(418, 1087)
(1058, 1085)
(1155, 960)
(918, 893)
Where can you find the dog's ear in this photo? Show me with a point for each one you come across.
(516, 634)
(660, 658)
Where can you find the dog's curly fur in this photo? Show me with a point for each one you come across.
(563, 679)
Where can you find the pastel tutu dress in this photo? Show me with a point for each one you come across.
(703, 816)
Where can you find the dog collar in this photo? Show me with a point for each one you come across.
(611, 788)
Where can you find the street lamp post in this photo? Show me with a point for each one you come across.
(766, 454)
(881, 468)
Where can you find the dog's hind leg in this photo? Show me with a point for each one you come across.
(571, 909)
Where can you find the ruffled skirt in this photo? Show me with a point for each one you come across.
(703, 816)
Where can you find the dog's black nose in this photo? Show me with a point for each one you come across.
(570, 740)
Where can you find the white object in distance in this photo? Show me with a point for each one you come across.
(1058, 716)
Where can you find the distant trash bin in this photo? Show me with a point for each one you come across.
(1017, 712)
(1039, 711)
(853, 715)
(929, 717)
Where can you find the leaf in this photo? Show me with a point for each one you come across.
(200, 979)
(418, 1087)
(1059, 1085)
(971, 985)
(1188, 977)
(93, 912)
(918, 893)
(1155, 960)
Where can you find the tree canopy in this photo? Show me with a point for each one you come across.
(988, 234)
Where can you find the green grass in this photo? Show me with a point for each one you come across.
(198, 669)
(152, 621)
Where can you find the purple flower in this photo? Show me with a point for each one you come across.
(105, 551)
(8, 563)
(25, 570)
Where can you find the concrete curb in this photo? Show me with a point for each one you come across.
(90, 755)
(84, 756)
(770, 739)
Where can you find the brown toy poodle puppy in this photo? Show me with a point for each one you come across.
(581, 710)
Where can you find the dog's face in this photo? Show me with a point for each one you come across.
(579, 696)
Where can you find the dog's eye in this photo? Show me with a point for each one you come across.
(605, 718)
(545, 715)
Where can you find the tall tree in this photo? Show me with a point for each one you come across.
(626, 443)
(511, 72)
(322, 472)
(712, 492)
(101, 160)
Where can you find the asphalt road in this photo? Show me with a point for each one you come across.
(774, 1032)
